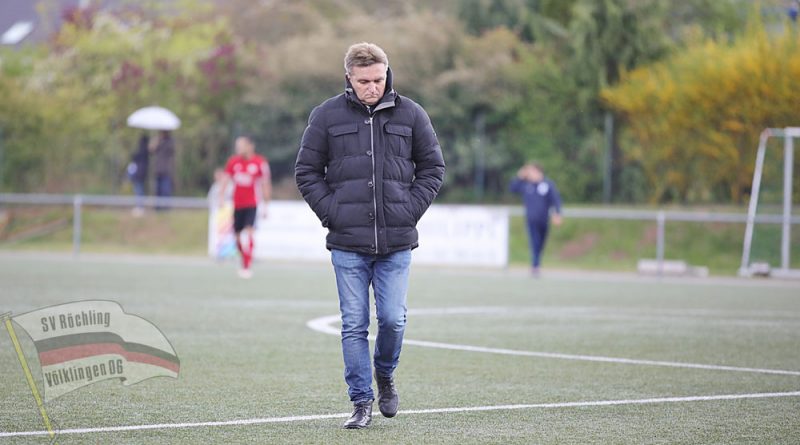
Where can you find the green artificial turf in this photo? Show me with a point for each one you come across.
(247, 353)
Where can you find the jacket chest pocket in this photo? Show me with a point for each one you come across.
(343, 141)
(399, 140)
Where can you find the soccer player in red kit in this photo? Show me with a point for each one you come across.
(247, 170)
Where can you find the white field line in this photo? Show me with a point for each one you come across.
(723, 317)
(268, 420)
(596, 358)
(324, 325)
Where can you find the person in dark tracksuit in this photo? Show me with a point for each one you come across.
(542, 203)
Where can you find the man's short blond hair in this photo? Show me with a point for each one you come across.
(364, 54)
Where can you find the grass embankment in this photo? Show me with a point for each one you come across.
(174, 232)
(578, 243)
(617, 245)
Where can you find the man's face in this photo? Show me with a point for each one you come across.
(534, 174)
(244, 147)
(369, 82)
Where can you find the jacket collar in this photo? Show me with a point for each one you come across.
(388, 100)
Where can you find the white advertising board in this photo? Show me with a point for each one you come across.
(459, 235)
(463, 235)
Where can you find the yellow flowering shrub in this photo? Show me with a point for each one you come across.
(692, 121)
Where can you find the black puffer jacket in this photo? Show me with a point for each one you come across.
(369, 173)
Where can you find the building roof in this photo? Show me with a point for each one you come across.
(21, 21)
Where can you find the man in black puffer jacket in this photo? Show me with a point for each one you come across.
(369, 166)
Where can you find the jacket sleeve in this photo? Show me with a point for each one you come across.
(310, 166)
(429, 163)
(517, 186)
(555, 197)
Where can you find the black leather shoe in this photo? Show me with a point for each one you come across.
(361, 417)
(388, 400)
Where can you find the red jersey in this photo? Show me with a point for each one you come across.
(246, 174)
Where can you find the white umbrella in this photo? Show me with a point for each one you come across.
(154, 118)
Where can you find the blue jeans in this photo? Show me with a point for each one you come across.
(537, 237)
(388, 275)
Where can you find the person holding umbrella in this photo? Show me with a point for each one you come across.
(164, 151)
(137, 172)
(164, 121)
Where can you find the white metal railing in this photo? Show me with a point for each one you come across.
(660, 217)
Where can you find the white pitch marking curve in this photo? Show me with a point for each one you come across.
(324, 325)
(462, 409)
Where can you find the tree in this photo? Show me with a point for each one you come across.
(23, 149)
(503, 80)
(103, 64)
(531, 20)
(694, 120)
(560, 119)
(457, 77)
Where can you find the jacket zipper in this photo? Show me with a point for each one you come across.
(374, 185)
